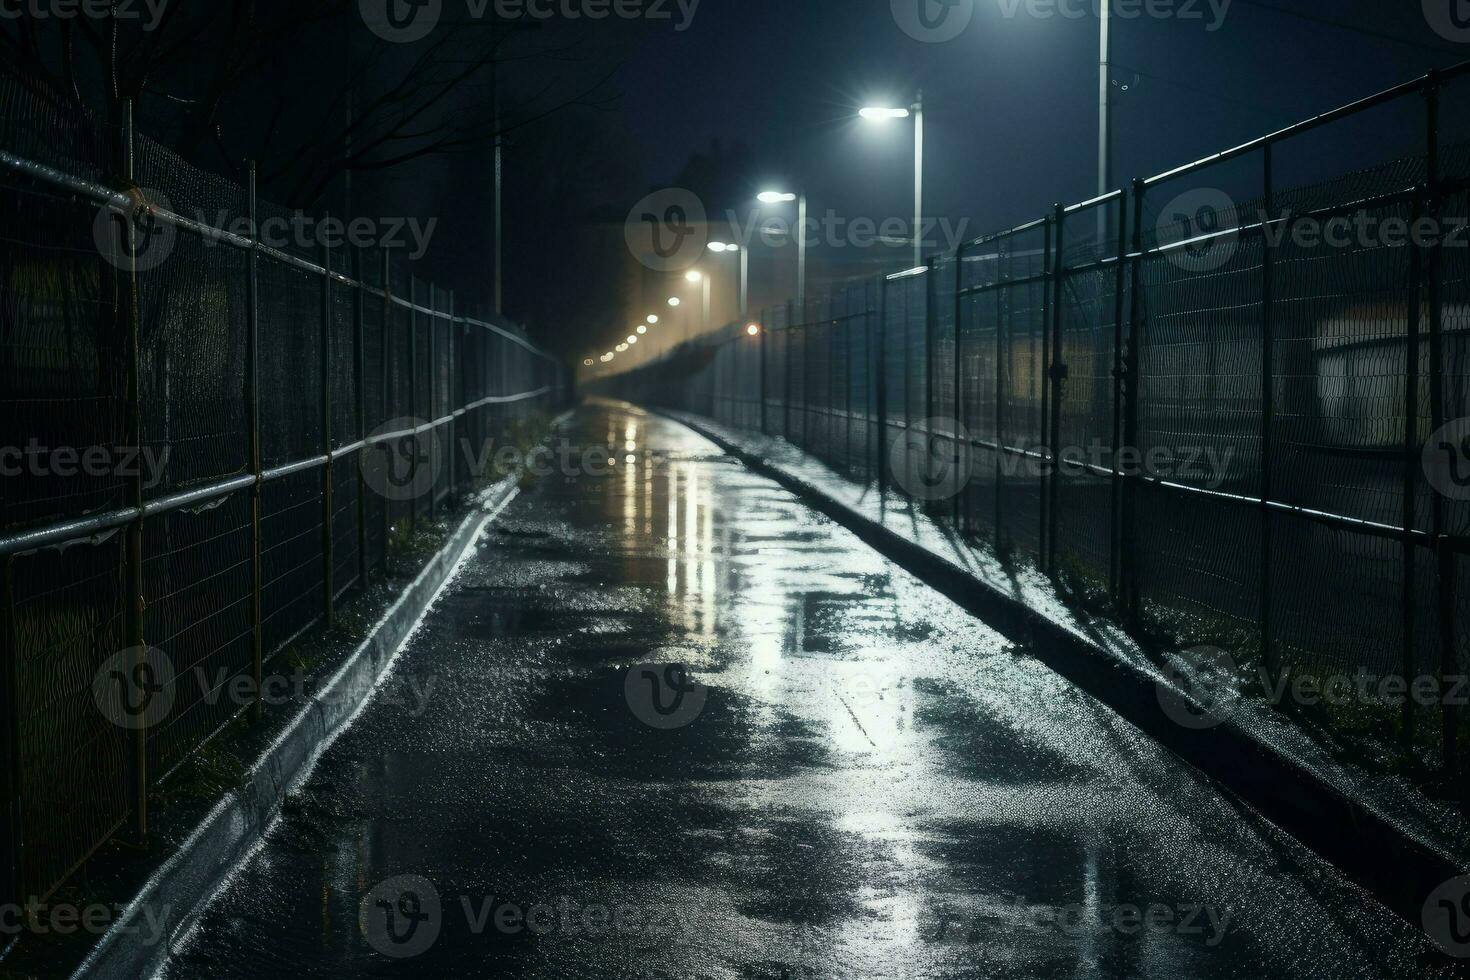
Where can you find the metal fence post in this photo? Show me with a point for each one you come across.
(325, 350)
(413, 382)
(1001, 322)
(386, 331)
(761, 350)
(432, 416)
(1056, 375)
(880, 377)
(1268, 415)
(1129, 584)
(252, 400)
(359, 374)
(137, 602)
(959, 378)
(786, 401)
(456, 398)
(1445, 555)
(10, 822)
(1411, 464)
(1115, 509)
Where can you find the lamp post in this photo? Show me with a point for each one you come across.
(723, 247)
(883, 114)
(694, 275)
(784, 197)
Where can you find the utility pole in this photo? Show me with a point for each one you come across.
(1105, 111)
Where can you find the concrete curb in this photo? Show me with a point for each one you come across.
(1398, 869)
(177, 894)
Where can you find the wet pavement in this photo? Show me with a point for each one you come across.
(669, 722)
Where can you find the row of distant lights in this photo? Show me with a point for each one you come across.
(870, 113)
(693, 275)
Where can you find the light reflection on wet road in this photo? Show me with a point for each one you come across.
(855, 780)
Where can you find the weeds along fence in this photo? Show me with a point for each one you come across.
(260, 385)
(1179, 405)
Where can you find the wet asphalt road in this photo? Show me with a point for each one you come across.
(850, 779)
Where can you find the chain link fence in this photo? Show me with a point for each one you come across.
(1220, 404)
(209, 441)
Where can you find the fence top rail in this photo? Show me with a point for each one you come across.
(125, 205)
(917, 270)
(1101, 199)
(1009, 232)
(1420, 84)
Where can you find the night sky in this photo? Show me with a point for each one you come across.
(1011, 117)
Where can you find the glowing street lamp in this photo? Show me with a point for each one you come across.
(785, 197)
(881, 114)
(720, 248)
(587, 362)
(632, 339)
(674, 301)
(620, 348)
(753, 329)
(652, 318)
(642, 329)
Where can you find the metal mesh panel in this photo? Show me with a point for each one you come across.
(197, 573)
(192, 325)
(62, 374)
(291, 364)
(66, 320)
(73, 779)
(291, 555)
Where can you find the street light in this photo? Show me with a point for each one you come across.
(652, 318)
(587, 362)
(723, 247)
(884, 114)
(620, 348)
(632, 339)
(785, 197)
(753, 329)
(674, 301)
(642, 329)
